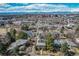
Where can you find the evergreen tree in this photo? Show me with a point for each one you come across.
(49, 42)
(9, 38)
(64, 47)
(2, 49)
(62, 30)
(22, 35)
(13, 33)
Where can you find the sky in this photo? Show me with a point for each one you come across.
(11, 8)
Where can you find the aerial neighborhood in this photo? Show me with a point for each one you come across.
(39, 35)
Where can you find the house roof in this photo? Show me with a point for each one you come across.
(70, 43)
(17, 43)
(60, 41)
(30, 33)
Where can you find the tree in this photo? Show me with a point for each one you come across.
(77, 29)
(69, 53)
(22, 35)
(49, 42)
(13, 33)
(64, 47)
(62, 30)
(9, 38)
(25, 27)
(3, 49)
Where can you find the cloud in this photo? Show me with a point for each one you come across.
(40, 7)
(3, 5)
(74, 9)
(37, 7)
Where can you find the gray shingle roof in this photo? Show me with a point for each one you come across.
(17, 43)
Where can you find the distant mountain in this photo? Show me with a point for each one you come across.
(21, 13)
